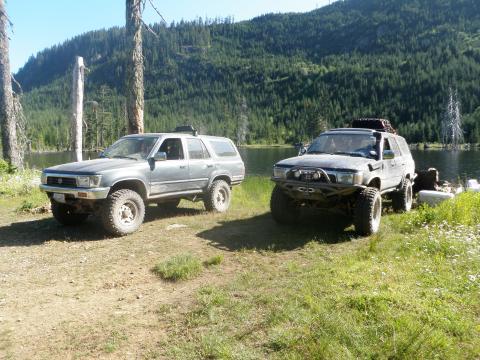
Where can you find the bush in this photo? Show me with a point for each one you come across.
(6, 168)
(214, 260)
(180, 267)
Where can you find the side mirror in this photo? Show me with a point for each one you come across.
(388, 155)
(302, 151)
(160, 156)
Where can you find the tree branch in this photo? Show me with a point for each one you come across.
(149, 29)
(156, 10)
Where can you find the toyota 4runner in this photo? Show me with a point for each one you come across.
(136, 170)
(348, 171)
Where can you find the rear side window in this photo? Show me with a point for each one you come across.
(394, 146)
(223, 148)
(403, 146)
(197, 150)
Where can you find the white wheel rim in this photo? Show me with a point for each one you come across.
(127, 213)
(376, 214)
(221, 198)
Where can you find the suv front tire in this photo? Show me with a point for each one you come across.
(368, 212)
(65, 214)
(123, 212)
(283, 208)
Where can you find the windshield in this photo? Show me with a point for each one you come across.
(134, 148)
(345, 144)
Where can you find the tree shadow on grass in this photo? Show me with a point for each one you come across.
(39, 231)
(262, 233)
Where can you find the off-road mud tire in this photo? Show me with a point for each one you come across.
(368, 212)
(169, 205)
(402, 200)
(218, 197)
(66, 215)
(123, 212)
(283, 208)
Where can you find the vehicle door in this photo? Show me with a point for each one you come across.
(200, 164)
(170, 175)
(392, 168)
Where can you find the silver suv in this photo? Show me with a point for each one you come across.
(348, 171)
(157, 168)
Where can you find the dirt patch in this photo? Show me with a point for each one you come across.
(76, 293)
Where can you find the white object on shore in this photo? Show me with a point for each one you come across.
(473, 185)
(433, 198)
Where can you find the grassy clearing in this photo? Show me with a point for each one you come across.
(411, 291)
(179, 267)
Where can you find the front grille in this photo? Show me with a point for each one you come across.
(307, 176)
(61, 181)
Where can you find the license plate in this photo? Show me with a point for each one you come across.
(59, 198)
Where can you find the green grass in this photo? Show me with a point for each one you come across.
(411, 291)
(179, 267)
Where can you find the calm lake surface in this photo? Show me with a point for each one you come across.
(453, 165)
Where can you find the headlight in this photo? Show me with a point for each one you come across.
(43, 178)
(280, 172)
(350, 178)
(88, 181)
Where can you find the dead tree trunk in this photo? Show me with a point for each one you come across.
(77, 107)
(134, 67)
(10, 148)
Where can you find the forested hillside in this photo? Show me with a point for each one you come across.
(286, 74)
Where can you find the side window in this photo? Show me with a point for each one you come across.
(173, 148)
(223, 148)
(394, 147)
(196, 149)
(403, 146)
(386, 145)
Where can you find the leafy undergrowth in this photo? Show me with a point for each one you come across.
(412, 291)
(21, 188)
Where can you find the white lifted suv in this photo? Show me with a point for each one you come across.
(348, 171)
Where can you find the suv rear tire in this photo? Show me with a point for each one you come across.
(368, 212)
(123, 212)
(66, 215)
(402, 200)
(218, 197)
(283, 208)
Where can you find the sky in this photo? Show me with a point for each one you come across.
(38, 24)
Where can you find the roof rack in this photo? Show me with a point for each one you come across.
(186, 129)
(374, 124)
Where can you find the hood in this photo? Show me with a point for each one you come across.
(325, 161)
(96, 166)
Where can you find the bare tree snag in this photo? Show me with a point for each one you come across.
(134, 67)
(10, 148)
(77, 106)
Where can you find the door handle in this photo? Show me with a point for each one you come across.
(209, 165)
(183, 166)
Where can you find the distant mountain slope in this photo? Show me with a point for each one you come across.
(289, 73)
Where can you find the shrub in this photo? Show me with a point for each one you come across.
(214, 260)
(179, 267)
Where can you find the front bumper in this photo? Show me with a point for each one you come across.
(78, 193)
(316, 191)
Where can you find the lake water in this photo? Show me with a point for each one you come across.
(259, 161)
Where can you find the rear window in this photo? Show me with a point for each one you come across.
(223, 148)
